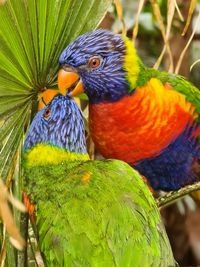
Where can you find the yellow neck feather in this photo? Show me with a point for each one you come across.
(131, 62)
(43, 154)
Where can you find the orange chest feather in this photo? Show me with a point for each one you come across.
(141, 125)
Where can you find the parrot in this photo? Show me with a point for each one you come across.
(143, 116)
(89, 213)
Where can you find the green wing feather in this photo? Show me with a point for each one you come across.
(109, 220)
(179, 83)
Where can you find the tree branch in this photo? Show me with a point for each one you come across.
(171, 197)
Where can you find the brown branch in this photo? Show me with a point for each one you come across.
(120, 15)
(187, 45)
(157, 13)
(135, 28)
(171, 197)
(189, 17)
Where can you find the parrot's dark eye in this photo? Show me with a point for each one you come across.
(94, 62)
(47, 113)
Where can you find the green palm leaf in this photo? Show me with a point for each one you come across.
(32, 35)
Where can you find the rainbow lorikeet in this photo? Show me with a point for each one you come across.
(148, 118)
(88, 213)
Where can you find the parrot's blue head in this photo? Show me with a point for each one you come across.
(103, 61)
(59, 124)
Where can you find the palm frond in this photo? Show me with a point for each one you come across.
(32, 36)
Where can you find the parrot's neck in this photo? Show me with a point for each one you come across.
(44, 154)
(132, 64)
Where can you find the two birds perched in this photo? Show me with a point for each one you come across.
(148, 118)
(104, 213)
(89, 213)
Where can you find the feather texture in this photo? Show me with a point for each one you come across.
(111, 220)
(147, 118)
(89, 213)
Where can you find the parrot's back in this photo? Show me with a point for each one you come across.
(97, 213)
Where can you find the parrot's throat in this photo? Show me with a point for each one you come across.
(43, 154)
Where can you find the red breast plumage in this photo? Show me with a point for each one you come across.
(141, 125)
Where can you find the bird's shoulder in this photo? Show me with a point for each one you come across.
(176, 82)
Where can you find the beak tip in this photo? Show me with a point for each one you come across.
(66, 79)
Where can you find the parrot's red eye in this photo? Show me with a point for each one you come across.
(94, 62)
(47, 113)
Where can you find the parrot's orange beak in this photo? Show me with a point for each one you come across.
(45, 97)
(69, 81)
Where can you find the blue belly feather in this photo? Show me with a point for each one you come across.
(172, 169)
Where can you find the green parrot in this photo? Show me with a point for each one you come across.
(88, 213)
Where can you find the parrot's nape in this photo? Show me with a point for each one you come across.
(148, 118)
(88, 213)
